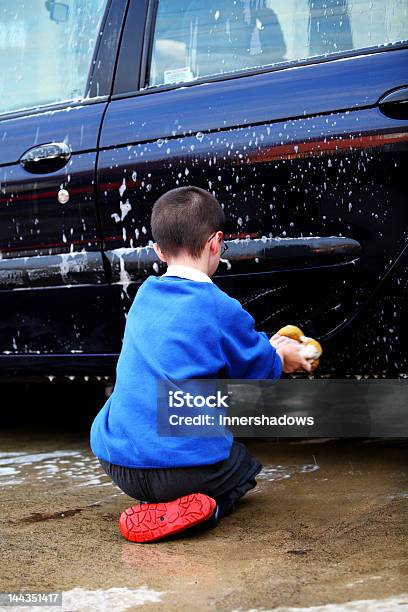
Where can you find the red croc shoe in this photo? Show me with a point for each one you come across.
(150, 522)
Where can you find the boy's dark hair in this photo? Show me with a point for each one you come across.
(184, 218)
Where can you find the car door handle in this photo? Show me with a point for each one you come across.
(46, 158)
(248, 256)
(395, 104)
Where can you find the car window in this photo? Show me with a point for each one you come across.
(196, 38)
(46, 50)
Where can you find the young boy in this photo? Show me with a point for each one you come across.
(182, 326)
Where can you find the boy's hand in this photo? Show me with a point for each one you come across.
(288, 351)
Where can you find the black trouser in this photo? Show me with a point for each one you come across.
(225, 481)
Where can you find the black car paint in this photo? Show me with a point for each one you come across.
(292, 153)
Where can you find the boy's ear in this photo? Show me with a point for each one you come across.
(215, 242)
(159, 252)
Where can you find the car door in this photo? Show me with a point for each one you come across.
(293, 115)
(57, 63)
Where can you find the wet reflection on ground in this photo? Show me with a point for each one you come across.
(327, 523)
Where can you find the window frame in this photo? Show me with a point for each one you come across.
(136, 83)
(99, 82)
(131, 63)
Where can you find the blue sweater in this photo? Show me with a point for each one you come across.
(176, 329)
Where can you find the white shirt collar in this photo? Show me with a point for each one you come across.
(187, 272)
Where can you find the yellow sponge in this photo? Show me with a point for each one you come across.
(311, 349)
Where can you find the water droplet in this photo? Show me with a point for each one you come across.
(122, 188)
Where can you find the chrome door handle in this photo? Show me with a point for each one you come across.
(395, 104)
(46, 158)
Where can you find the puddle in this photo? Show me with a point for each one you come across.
(402, 495)
(272, 473)
(77, 466)
(281, 472)
(100, 600)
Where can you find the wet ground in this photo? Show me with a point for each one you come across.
(327, 523)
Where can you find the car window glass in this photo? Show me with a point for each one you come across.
(195, 39)
(46, 50)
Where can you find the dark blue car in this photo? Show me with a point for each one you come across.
(294, 113)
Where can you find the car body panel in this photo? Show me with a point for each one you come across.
(287, 93)
(77, 125)
(303, 158)
(331, 174)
